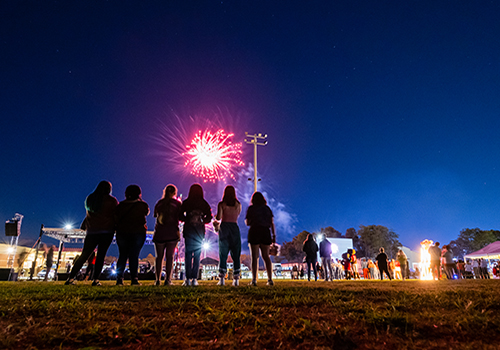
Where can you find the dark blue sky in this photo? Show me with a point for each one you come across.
(378, 112)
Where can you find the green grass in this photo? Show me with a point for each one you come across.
(291, 315)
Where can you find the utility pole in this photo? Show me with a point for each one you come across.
(256, 140)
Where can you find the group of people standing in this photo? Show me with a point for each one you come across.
(105, 216)
(332, 270)
(442, 263)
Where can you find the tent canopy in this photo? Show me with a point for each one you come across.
(491, 251)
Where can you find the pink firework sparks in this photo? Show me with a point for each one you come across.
(213, 156)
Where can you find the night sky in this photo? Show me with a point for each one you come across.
(377, 112)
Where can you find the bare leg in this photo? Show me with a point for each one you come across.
(254, 252)
(169, 264)
(160, 251)
(267, 260)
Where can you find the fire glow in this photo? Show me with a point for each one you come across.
(425, 260)
(212, 156)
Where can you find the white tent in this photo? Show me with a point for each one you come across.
(491, 251)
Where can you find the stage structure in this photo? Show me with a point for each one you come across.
(65, 235)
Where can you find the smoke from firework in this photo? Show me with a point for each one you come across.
(177, 131)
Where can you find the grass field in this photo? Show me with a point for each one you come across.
(290, 315)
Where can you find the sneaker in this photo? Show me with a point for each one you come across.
(157, 283)
(186, 283)
(96, 283)
(194, 282)
(119, 281)
(70, 282)
(135, 282)
(236, 282)
(168, 283)
(221, 282)
(270, 283)
(253, 284)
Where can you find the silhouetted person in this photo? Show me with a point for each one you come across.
(167, 235)
(382, 264)
(228, 211)
(195, 213)
(261, 234)
(325, 253)
(48, 262)
(449, 264)
(131, 230)
(403, 262)
(311, 249)
(435, 253)
(100, 226)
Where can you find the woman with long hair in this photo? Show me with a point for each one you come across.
(99, 223)
(195, 213)
(166, 235)
(131, 230)
(228, 211)
(261, 234)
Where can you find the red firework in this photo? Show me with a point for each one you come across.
(213, 156)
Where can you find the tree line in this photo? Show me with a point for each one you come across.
(368, 239)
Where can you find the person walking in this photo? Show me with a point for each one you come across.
(325, 253)
(261, 234)
(403, 261)
(226, 220)
(382, 264)
(435, 253)
(195, 213)
(311, 249)
(166, 236)
(131, 228)
(99, 223)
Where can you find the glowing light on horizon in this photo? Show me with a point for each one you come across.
(212, 156)
(425, 261)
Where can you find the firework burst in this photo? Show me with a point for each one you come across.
(213, 156)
